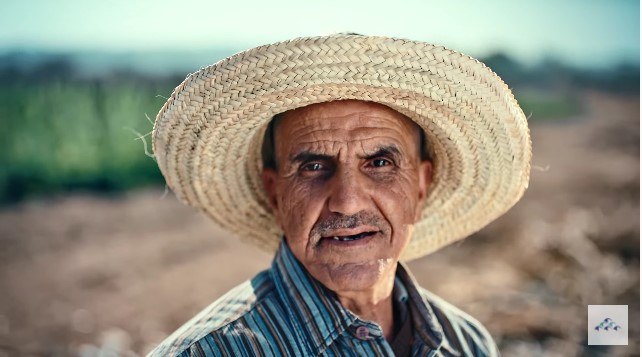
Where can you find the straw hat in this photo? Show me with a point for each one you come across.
(207, 137)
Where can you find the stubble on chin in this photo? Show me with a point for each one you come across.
(351, 276)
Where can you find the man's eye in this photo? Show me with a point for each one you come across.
(315, 166)
(381, 162)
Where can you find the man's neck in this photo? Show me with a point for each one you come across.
(373, 305)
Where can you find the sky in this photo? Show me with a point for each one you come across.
(589, 33)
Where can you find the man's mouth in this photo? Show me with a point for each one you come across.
(349, 238)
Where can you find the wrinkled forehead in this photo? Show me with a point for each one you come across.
(345, 120)
(344, 113)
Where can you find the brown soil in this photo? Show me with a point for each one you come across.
(84, 274)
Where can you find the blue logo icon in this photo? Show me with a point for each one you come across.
(608, 325)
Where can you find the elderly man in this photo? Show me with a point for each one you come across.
(347, 155)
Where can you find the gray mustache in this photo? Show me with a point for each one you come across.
(340, 221)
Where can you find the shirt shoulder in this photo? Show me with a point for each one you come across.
(232, 306)
(461, 331)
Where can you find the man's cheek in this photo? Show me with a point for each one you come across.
(295, 213)
(401, 195)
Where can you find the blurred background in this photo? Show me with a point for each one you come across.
(98, 259)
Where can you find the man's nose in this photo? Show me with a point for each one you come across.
(348, 192)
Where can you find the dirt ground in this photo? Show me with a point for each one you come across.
(86, 275)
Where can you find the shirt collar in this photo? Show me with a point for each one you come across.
(427, 325)
(320, 318)
(400, 293)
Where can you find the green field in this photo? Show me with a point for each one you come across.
(63, 136)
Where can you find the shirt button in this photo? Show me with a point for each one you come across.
(362, 332)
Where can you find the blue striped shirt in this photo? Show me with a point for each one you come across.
(283, 311)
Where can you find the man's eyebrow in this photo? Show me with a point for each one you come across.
(389, 151)
(306, 156)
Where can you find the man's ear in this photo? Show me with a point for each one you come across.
(425, 179)
(268, 176)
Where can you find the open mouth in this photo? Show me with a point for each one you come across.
(352, 237)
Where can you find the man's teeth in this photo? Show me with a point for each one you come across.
(350, 238)
(343, 239)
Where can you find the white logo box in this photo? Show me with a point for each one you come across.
(608, 325)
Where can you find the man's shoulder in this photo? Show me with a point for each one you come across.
(232, 306)
(460, 328)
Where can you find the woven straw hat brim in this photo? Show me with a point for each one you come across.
(207, 137)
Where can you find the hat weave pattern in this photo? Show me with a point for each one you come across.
(207, 137)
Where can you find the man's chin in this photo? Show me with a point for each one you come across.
(353, 276)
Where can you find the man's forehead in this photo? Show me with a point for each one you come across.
(359, 117)
(325, 127)
(347, 111)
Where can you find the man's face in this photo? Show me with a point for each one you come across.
(348, 189)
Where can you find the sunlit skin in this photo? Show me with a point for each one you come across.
(348, 168)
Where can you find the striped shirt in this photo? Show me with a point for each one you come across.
(283, 311)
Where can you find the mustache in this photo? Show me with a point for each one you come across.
(324, 226)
